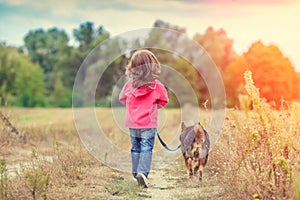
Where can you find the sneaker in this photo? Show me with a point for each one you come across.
(141, 179)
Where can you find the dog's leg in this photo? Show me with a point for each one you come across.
(196, 156)
(200, 171)
(188, 164)
(186, 161)
(196, 167)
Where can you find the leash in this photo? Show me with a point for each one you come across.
(165, 145)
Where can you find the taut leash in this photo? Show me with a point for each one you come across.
(165, 145)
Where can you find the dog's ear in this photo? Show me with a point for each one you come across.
(183, 127)
(199, 132)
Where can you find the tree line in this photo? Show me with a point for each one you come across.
(42, 71)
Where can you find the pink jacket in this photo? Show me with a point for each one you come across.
(142, 104)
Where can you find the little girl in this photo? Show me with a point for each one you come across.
(143, 94)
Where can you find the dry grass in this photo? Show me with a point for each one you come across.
(257, 153)
(50, 162)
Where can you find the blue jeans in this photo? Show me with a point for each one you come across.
(142, 141)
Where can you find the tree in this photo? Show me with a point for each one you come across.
(273, 74)
(108, 62)
(297, 84)
(218, 46)
(21, 81)
(29, 84)
(7, 72)
(190, 58)
(66, 68)
(46, 47)
(234, 80)
(88, 37)
(61, 96)
(170, 43)
(195, 80)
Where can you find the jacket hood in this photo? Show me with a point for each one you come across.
(144, 89)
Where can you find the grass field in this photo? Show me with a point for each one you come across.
(257, 154)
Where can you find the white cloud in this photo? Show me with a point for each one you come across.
(244, 22)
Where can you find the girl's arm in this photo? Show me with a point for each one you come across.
(122, 99)
(122, 96)
(163, 97)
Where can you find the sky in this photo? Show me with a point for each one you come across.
(245, 21)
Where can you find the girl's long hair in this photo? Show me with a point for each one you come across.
(143, 68)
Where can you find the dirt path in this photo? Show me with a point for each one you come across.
(160, 185)
(173, 183)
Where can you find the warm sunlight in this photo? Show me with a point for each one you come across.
(161, 99)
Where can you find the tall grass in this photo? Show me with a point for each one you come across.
(260, 149)
(3, 180)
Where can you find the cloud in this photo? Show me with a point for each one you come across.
(273, 21)
(238, 2)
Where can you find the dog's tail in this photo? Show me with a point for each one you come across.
(200, 135)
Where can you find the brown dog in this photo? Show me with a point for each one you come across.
(195, 146)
